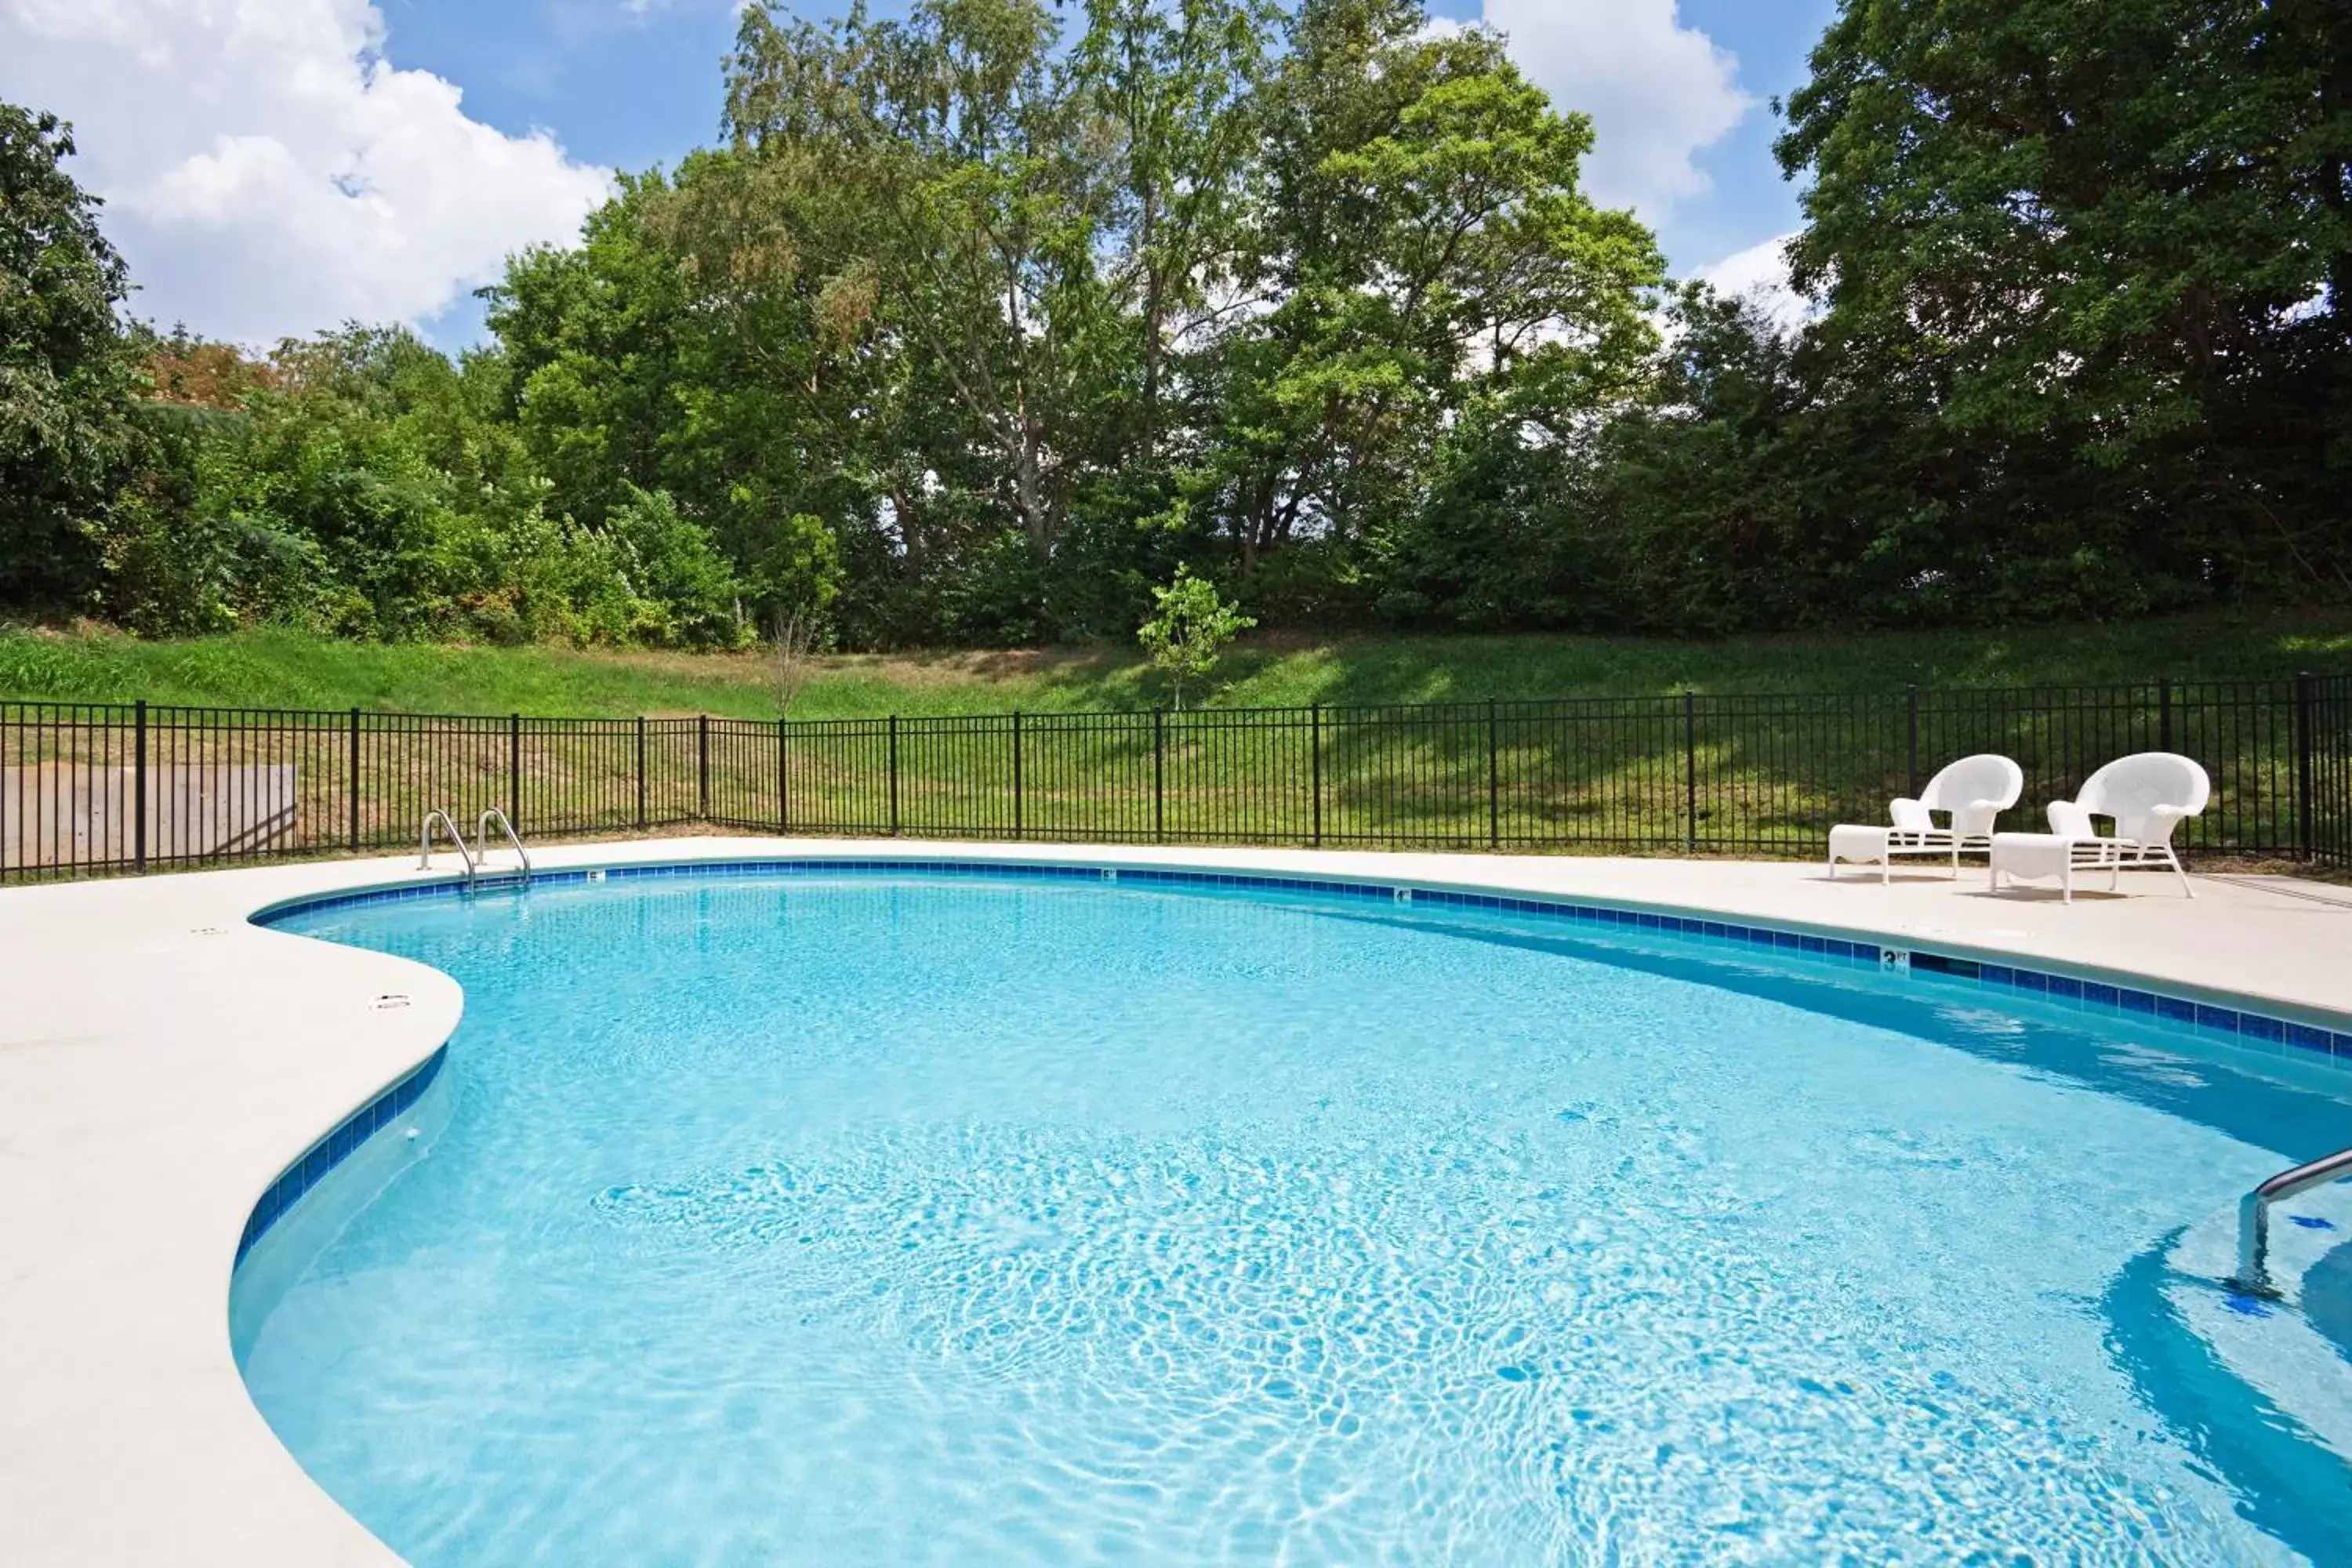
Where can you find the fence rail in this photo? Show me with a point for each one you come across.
(88, 789)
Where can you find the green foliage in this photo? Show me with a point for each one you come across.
(690, 590)
(1188, 630)
(2088, 272)
(65, 380)
(989, 314)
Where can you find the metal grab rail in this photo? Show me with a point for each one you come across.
(2255, 1216)
(482, 839)
(425, 843)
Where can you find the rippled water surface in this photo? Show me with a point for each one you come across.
(847, 1220)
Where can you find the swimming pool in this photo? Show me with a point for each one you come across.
(851, 1217)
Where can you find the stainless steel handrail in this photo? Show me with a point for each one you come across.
(2255, 1216)
(482, 839)
(425, 843)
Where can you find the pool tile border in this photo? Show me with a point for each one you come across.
(341, 1144)
(2296, 1039)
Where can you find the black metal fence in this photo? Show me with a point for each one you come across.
(87, 789)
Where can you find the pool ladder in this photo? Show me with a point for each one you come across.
(478, 857)
(2254, 1216)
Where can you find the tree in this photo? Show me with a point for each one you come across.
(794, 641)
(1421, 245)
(966, 196)
(66, 382)
(1177, 86)
(1188, 628)
(2094, 264)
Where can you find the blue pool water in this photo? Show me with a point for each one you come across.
(860, 1219)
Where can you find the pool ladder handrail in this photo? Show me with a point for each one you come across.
(424, 843)
(482, 840)
(2253, 1275)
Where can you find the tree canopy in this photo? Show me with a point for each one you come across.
(65, 388)
(974, 324)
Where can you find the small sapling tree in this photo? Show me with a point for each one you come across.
(1188, 628)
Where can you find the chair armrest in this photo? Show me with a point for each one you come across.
(1977, 816)
(2162, 820)
(1910, 816)
(2069, 820)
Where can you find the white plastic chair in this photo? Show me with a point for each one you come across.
(1974, 791)
(2148, 793)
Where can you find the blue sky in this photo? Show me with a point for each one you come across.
(452, 131)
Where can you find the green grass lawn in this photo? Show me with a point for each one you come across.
(288, 669)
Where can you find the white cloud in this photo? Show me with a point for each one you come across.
(267, 172)
(1658, 91)
(1759, 275)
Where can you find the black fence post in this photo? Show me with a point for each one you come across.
(1493, 783)
(2305, 754)
(1690, 772)
(702, 766)
(641, 772)
(1911, 742)
(1315, 735)
(784, 779)
(139, 788)
(514, 771)
(2164, 714)
(355, 781)
(893, 775)
(1020, 820)
(1158, 790)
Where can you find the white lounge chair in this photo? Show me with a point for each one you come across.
(1974, 790)
(2147, 794)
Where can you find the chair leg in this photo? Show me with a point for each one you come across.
(2181, 871)
(2067, 881)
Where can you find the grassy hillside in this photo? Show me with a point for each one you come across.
(285, 669)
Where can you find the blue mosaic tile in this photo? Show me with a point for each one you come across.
(2174, 1008)
(2065, 986)
(2253, 1025)
(2221, 1019)
(331, 1151)
(2309, 1036)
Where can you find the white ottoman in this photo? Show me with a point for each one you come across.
(1863, 843)
(2036, 855)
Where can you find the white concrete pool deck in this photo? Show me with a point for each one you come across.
(162, 1061)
